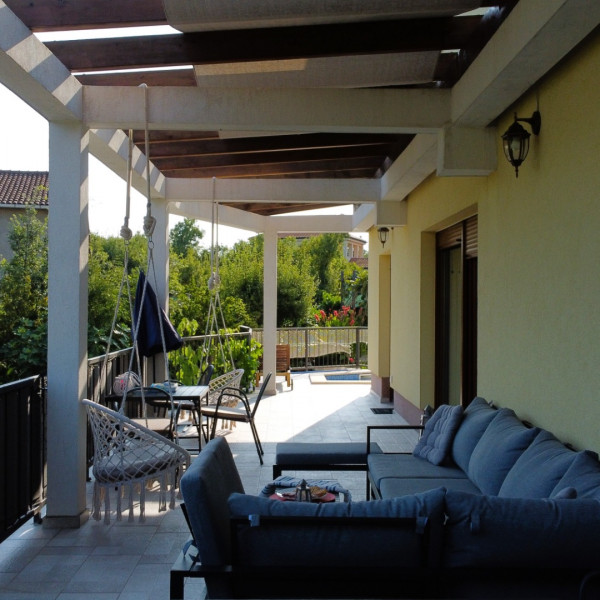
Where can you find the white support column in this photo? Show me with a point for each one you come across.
(270, 307)
(68, 235)
(160, 240)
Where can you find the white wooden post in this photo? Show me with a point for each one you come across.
(270, 307)
(68, 235)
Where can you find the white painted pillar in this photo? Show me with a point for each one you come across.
(270, 307)
(68, 236)
(160, 240)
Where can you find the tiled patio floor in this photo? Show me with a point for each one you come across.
(124, 561)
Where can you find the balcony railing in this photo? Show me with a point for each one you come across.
(23, 409)
(22, 452)
(323, 347)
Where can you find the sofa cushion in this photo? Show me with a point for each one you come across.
(408, 466)
(476, 418)
(502, 443)
(205, 486)
(323, 541)
(393, 487)
(538, 469)
(567, 493)
(438, 434)
(583, 474)
(487, 531)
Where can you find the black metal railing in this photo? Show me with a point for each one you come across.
(22, 452)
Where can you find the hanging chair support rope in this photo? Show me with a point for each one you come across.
(149, 226)
(214, 283)
(126, 234)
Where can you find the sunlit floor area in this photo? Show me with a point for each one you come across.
(131, 561)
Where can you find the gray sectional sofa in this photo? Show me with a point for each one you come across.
(486, 451)
(485, 507)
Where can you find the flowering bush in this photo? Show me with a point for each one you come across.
(345, 317)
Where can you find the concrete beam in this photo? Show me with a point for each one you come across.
(111, 147)
(332, 191)
(534, 38)
(415, 164)
(311, 224)
(232, 217)
(326, 110)
(466, 151)
(34, 74)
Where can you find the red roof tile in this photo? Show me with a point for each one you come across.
(20, 188)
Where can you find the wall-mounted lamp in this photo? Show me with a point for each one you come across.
(516, 139)
(383, 235)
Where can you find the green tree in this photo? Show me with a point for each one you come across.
(242, 276)
(24, 298)
(184, 236)
(326, 261)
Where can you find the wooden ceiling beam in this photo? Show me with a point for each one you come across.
(299, 169)
(273, 158)
(247, 45)
(174, 77)
(315, 142)
(58, 15)
(268, 210)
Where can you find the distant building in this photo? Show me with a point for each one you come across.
(19, 190)
(354, 247)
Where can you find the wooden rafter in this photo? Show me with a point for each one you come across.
(213, 47)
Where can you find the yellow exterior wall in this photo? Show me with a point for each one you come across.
(538, 268)
(413, 280)
(539, 262)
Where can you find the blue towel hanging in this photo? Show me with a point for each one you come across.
(149, 340)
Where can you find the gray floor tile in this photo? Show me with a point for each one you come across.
(131, 561)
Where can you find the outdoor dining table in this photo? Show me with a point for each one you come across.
(185, 397)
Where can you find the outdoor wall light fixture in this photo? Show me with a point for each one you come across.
(516, 139)
(383, 235)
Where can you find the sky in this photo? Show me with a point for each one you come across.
(24, 147)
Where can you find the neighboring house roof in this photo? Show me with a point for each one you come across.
(363, 261)
(21, 188)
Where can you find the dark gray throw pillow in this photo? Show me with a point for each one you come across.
(439, 433)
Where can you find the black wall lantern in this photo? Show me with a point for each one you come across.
(383, 235)
(516, 139)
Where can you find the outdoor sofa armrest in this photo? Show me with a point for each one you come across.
(398, 427)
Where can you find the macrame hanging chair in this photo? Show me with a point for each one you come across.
(127, 453)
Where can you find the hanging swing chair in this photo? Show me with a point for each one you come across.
(215, 333)
(127, 452)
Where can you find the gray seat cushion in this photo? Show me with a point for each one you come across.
(477, 416)
(583, 474)
(436, 440)
(504, 440)
(487, 531)
(393, 487)
(323, 453)
(407, 466)
(538, 469)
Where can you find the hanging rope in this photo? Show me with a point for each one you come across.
(126, 234)
(149, 226)
(214, 283)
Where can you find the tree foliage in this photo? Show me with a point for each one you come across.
(24, 298)
(312, 276)
(185, 236)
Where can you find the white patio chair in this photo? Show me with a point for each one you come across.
(231, 379)
(127, 454)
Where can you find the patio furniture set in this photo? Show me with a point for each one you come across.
(130, 453)
(486, 506)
